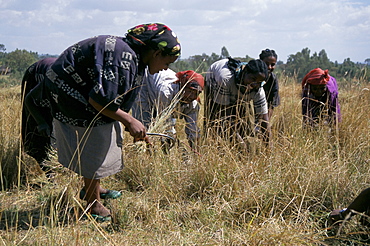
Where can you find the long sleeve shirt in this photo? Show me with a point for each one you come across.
(222, 89)
(103, 68)
(159, 97)
(326, 107)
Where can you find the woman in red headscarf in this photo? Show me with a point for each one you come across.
(160, 90)
(320, 98)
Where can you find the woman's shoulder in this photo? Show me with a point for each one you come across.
(220, 71)
(166, 76)
(332, 85)
(219, 65)
(111, 43)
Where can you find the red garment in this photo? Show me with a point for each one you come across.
(316, 76)
(188, 78)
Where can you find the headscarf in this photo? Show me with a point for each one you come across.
(155, 35)
(190, 79)
(316, 76)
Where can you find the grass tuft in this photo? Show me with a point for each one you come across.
(219, 196)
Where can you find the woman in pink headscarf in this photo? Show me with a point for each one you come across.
(320, 99)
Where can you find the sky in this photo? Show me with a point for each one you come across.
(244, 27)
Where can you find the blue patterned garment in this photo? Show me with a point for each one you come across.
(103, 68)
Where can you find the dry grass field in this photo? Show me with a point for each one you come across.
(218, 196)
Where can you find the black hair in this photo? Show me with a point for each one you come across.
(267, 53)
(256, 66)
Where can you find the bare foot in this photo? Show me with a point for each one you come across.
(98, 209)
(102, 190)
(337, 215)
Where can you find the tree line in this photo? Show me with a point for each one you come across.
(16, 62)
(297, 65)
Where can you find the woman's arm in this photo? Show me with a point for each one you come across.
(135, 127)
(265, 128)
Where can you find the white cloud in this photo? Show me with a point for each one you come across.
(244, 27)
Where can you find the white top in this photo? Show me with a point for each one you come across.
(155, 97)
(223, 89)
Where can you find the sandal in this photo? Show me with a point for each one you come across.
(100, 218)
(335, 216)
(111, 194)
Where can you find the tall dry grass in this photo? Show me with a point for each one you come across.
(217, 197)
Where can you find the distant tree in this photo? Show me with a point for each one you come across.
(367, 61)
(324, 61)
(299, 64)
(2, 53)
(278, 63)
(224, 53)
(347, 68)
(247, 58)
(180, 65)
(213, 58)
(198, 63)
(42, 56)
(314, 59)
(19, 61)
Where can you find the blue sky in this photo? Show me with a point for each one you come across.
(244, 27)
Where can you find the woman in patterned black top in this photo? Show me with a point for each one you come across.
(91, 88)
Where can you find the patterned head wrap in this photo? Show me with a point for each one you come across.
(316, 76)
(190, 79)
(155, 35)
